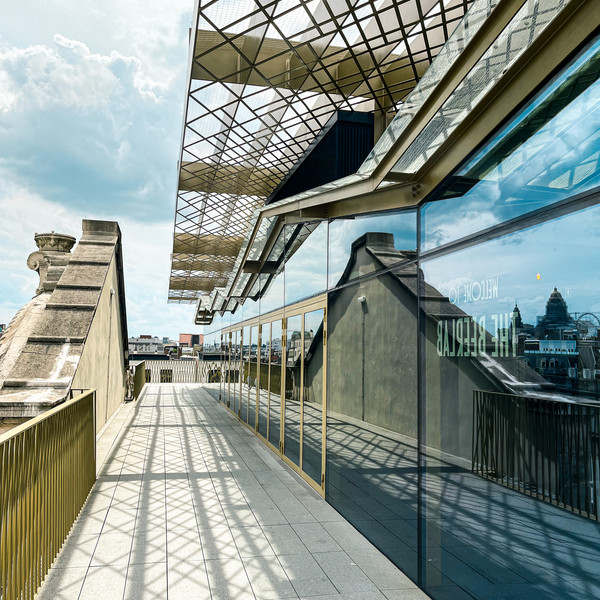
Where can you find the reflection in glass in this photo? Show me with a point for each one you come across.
(293, 361)
(305, 268)
(512, 416)
(236, 375)
(223, 367)
(401, 230)
(275, 384)
(272, 286)
(253, 377)
(549, 152)
(312, 403)
(245, 374)
(263, 392)
(371, 476)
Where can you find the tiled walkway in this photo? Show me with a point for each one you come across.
(191, 505)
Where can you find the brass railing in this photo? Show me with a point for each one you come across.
(47, 468)
(139, 379)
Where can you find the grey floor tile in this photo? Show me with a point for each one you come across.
(380, 569)
(208, 510)
(62, 584)
(187, 580)
(78, 551)
(406, 594)
(120, 518)
(227, 579)
(307, 578)
(184, 545)
(344, 574)
(112, 549)
(104, 583)
(315, 538)
(146, 582)
(217, 542)
(251, 541)
(268, 578)
(284, 540)
(149, 546)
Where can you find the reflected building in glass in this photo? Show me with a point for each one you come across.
(418, 339)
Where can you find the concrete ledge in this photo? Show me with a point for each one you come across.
(40, 339)
(57, 306)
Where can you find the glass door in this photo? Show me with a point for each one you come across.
(294, 338)
(312, 390)
(275, 377)
(264, 354)
(303, 422)
(254, 377)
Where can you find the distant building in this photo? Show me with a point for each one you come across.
(146, 344)
(190, 340)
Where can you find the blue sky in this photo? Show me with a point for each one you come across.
(91, 101)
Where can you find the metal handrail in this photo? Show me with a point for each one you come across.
(546, 448)
(47, 469)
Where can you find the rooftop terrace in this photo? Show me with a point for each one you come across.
(189, 504)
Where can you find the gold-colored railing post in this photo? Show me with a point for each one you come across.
(47, 469)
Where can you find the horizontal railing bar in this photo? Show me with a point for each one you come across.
(15, 431)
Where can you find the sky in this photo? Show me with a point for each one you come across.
(91, 110)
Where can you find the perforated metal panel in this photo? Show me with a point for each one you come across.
(265, 78)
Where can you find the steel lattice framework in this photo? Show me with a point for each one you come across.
(264, 79)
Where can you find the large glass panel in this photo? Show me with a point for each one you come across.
(263, 392)
(293, 370)
(275, 383)
(245, 374)
(393, 235)
(254, 379)
(236, 354)
(272, 285)
(306, 265)
(511, 463)
(549, 152)
(223, 369)
(312, 405)
(372, 467)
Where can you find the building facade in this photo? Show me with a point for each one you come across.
(421, 342)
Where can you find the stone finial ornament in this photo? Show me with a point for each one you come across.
(51, 258)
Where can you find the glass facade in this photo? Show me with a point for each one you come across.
(435, 373)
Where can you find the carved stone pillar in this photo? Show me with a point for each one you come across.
(54, 252)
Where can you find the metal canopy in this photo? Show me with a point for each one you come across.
(264, 79)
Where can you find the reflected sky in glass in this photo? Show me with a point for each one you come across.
(343, 232)
(525, 267)
(549, 152)
(306, 270)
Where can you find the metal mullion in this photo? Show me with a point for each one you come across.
(269, 380)
(586, 432)
(577, 419)
(324, 403)
(301, 405)
(258, 373)
(3, 515)
(282, 390)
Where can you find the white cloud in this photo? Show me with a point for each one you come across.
(90, 121)
(68, 75)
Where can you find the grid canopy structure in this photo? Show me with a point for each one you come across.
(265, 78)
